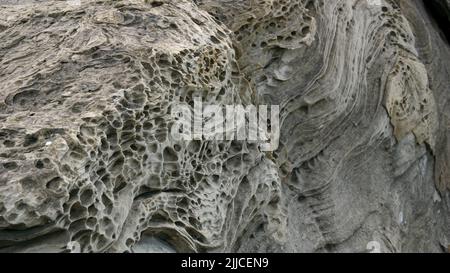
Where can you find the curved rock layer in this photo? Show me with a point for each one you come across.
(87, 163)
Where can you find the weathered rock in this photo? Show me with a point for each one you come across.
(362, 123)
(87, 163)
(87, 93)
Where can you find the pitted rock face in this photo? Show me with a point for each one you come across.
(355, 84)
(87, 163)
(85, 130)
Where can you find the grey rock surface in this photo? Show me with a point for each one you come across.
(87, 164)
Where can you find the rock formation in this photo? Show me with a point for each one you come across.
(87, 163)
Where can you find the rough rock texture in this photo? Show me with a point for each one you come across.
(87, 164)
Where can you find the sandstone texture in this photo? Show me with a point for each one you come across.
(87, 163)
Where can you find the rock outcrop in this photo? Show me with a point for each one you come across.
(87, 163)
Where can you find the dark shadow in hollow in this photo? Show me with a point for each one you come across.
(440, 13)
